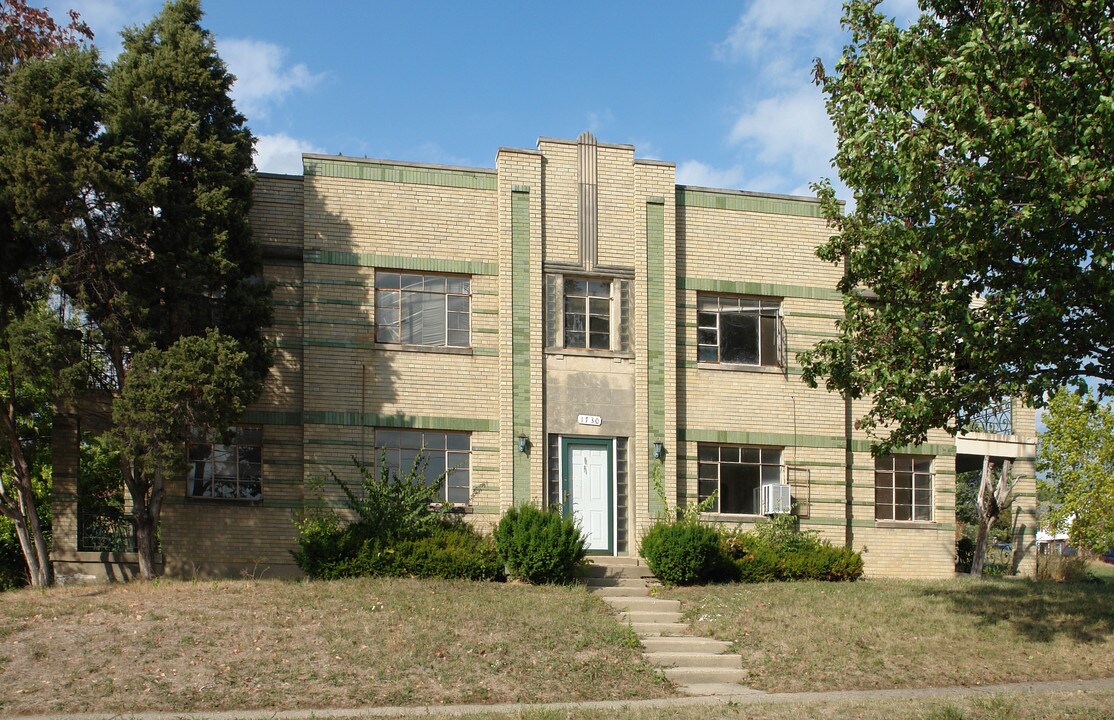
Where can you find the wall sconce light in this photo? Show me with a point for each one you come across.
(523, 442)
(659, 450)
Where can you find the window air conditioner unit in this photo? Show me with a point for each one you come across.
(775, 499)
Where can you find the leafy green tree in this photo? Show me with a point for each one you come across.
(978, 145)
(37, 354)
(1077, 454)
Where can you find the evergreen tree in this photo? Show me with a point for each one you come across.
(132, 193)
(176, 257)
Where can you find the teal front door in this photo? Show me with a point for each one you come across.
(588, 488)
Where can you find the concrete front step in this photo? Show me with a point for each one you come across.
(615, 560)
(646, 630)
(703, 675)
(717, 689)
(678, 644)
(694, 660)
(594, 570)
(643, 604)
(594, 583)
(648, 616)
(621, 591)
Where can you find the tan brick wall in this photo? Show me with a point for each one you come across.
(327, 362)
(207, 538)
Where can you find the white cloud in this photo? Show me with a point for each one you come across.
(775, 27)
(791, 129)
(281, 153)
(431, 152)
(107, 18)
(694, 172)
(262, 78)
(597, 120)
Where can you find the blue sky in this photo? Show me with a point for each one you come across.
(723, 89)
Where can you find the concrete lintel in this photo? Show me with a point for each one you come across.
(1002, 446)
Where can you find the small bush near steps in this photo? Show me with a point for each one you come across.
(682, 553)
(539, 546)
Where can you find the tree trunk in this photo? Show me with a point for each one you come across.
(993, 497)
(145, 544)
(979, 558)
(147, 497)
(21, 508)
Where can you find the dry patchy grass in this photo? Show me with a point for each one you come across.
(884, 633)
(285, 645)
(1031, 706)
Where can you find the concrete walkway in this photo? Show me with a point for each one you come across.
(747, 698)
(698, 666)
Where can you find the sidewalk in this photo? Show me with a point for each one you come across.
(743, 698)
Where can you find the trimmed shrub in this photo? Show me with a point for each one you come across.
(754, 560)
(776, 550)
(453, 551)
(683, 553)
(540, 547)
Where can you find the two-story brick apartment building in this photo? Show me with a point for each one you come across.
(561, 329)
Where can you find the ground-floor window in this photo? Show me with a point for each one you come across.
(733, 473)
(227, 465)
(433, 454)
(903, 487)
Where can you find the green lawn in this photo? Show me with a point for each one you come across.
(883, 634)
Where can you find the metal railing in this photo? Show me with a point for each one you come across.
(105, 532)
(996, 419)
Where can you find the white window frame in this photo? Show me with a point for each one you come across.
(771, 471)
(705, 329)
(394, 331)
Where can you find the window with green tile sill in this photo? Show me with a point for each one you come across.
(736, 330)
(442, 458)
(225, 466)
(423, 309)
(903, 488)
(587, 313)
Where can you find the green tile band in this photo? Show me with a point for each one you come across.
(790, 440)
(520, 337)
(398, 262)
(420, 422)
(655, 334)
(748, 203)
(736, 287)
(389, 172)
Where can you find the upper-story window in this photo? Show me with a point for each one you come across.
(584, 313)
(738, 330)
(422, 309)
(587, 313)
